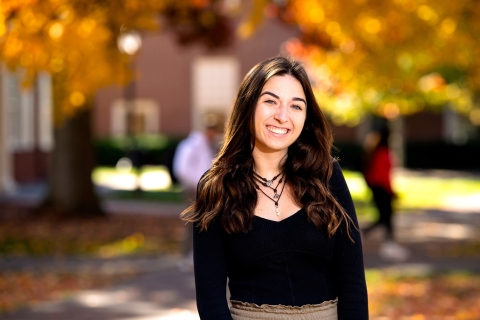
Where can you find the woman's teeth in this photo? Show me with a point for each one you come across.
(277, 130)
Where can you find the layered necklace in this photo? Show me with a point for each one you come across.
(269, 184)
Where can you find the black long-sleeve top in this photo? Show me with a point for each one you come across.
(291, 262)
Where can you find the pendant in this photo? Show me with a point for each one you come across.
(276, 196)
(269, 183)
(277, 211)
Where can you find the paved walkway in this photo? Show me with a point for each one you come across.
(163, 292)
(160, 292)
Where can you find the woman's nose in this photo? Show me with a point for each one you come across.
(281, 114)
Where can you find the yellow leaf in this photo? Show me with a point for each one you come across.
(55, 31)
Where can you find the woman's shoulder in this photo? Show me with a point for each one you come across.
(337, 169)
(337, 180)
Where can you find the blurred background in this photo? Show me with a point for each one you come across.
(96, 95)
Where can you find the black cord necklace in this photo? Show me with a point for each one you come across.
(265, 181)
(276, 196)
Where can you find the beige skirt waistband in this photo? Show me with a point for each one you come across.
(245, 311)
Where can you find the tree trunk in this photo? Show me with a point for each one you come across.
(71, 192)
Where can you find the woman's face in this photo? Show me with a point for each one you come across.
(280, 114)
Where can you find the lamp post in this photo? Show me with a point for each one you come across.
(129, 42)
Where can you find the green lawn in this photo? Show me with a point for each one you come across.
(155, 183)
(417, 192)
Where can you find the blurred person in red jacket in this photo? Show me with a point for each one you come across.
(377, 167)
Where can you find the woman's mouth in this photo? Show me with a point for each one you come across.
(277, 130)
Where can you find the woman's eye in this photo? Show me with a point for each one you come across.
(270, 101)
(297, 107)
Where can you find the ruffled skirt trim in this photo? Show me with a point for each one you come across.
(326, 310)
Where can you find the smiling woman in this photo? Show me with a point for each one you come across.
(279, 115)
(274, 214)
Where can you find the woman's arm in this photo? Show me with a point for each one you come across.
(210, 272)
(348, 257)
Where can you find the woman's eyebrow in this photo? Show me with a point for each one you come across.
(277, 97)
(272, 94)
(300, 99)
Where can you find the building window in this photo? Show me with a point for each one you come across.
(215, 83)
(20, 106)
(142, 116)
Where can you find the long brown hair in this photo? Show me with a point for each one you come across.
(227, 191)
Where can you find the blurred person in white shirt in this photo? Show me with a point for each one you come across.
(193, 157)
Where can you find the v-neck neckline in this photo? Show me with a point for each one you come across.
(287, 218)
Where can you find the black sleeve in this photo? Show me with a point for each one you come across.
(348, 257)
(210, 272)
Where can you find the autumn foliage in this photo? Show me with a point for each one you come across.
(76, 40)
(386, 57)
(389, 57)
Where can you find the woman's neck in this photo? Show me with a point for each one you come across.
(268, 165)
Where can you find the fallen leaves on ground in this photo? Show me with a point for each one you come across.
(111, 236)
(115, 235)
(18, 289)
(393, 296)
